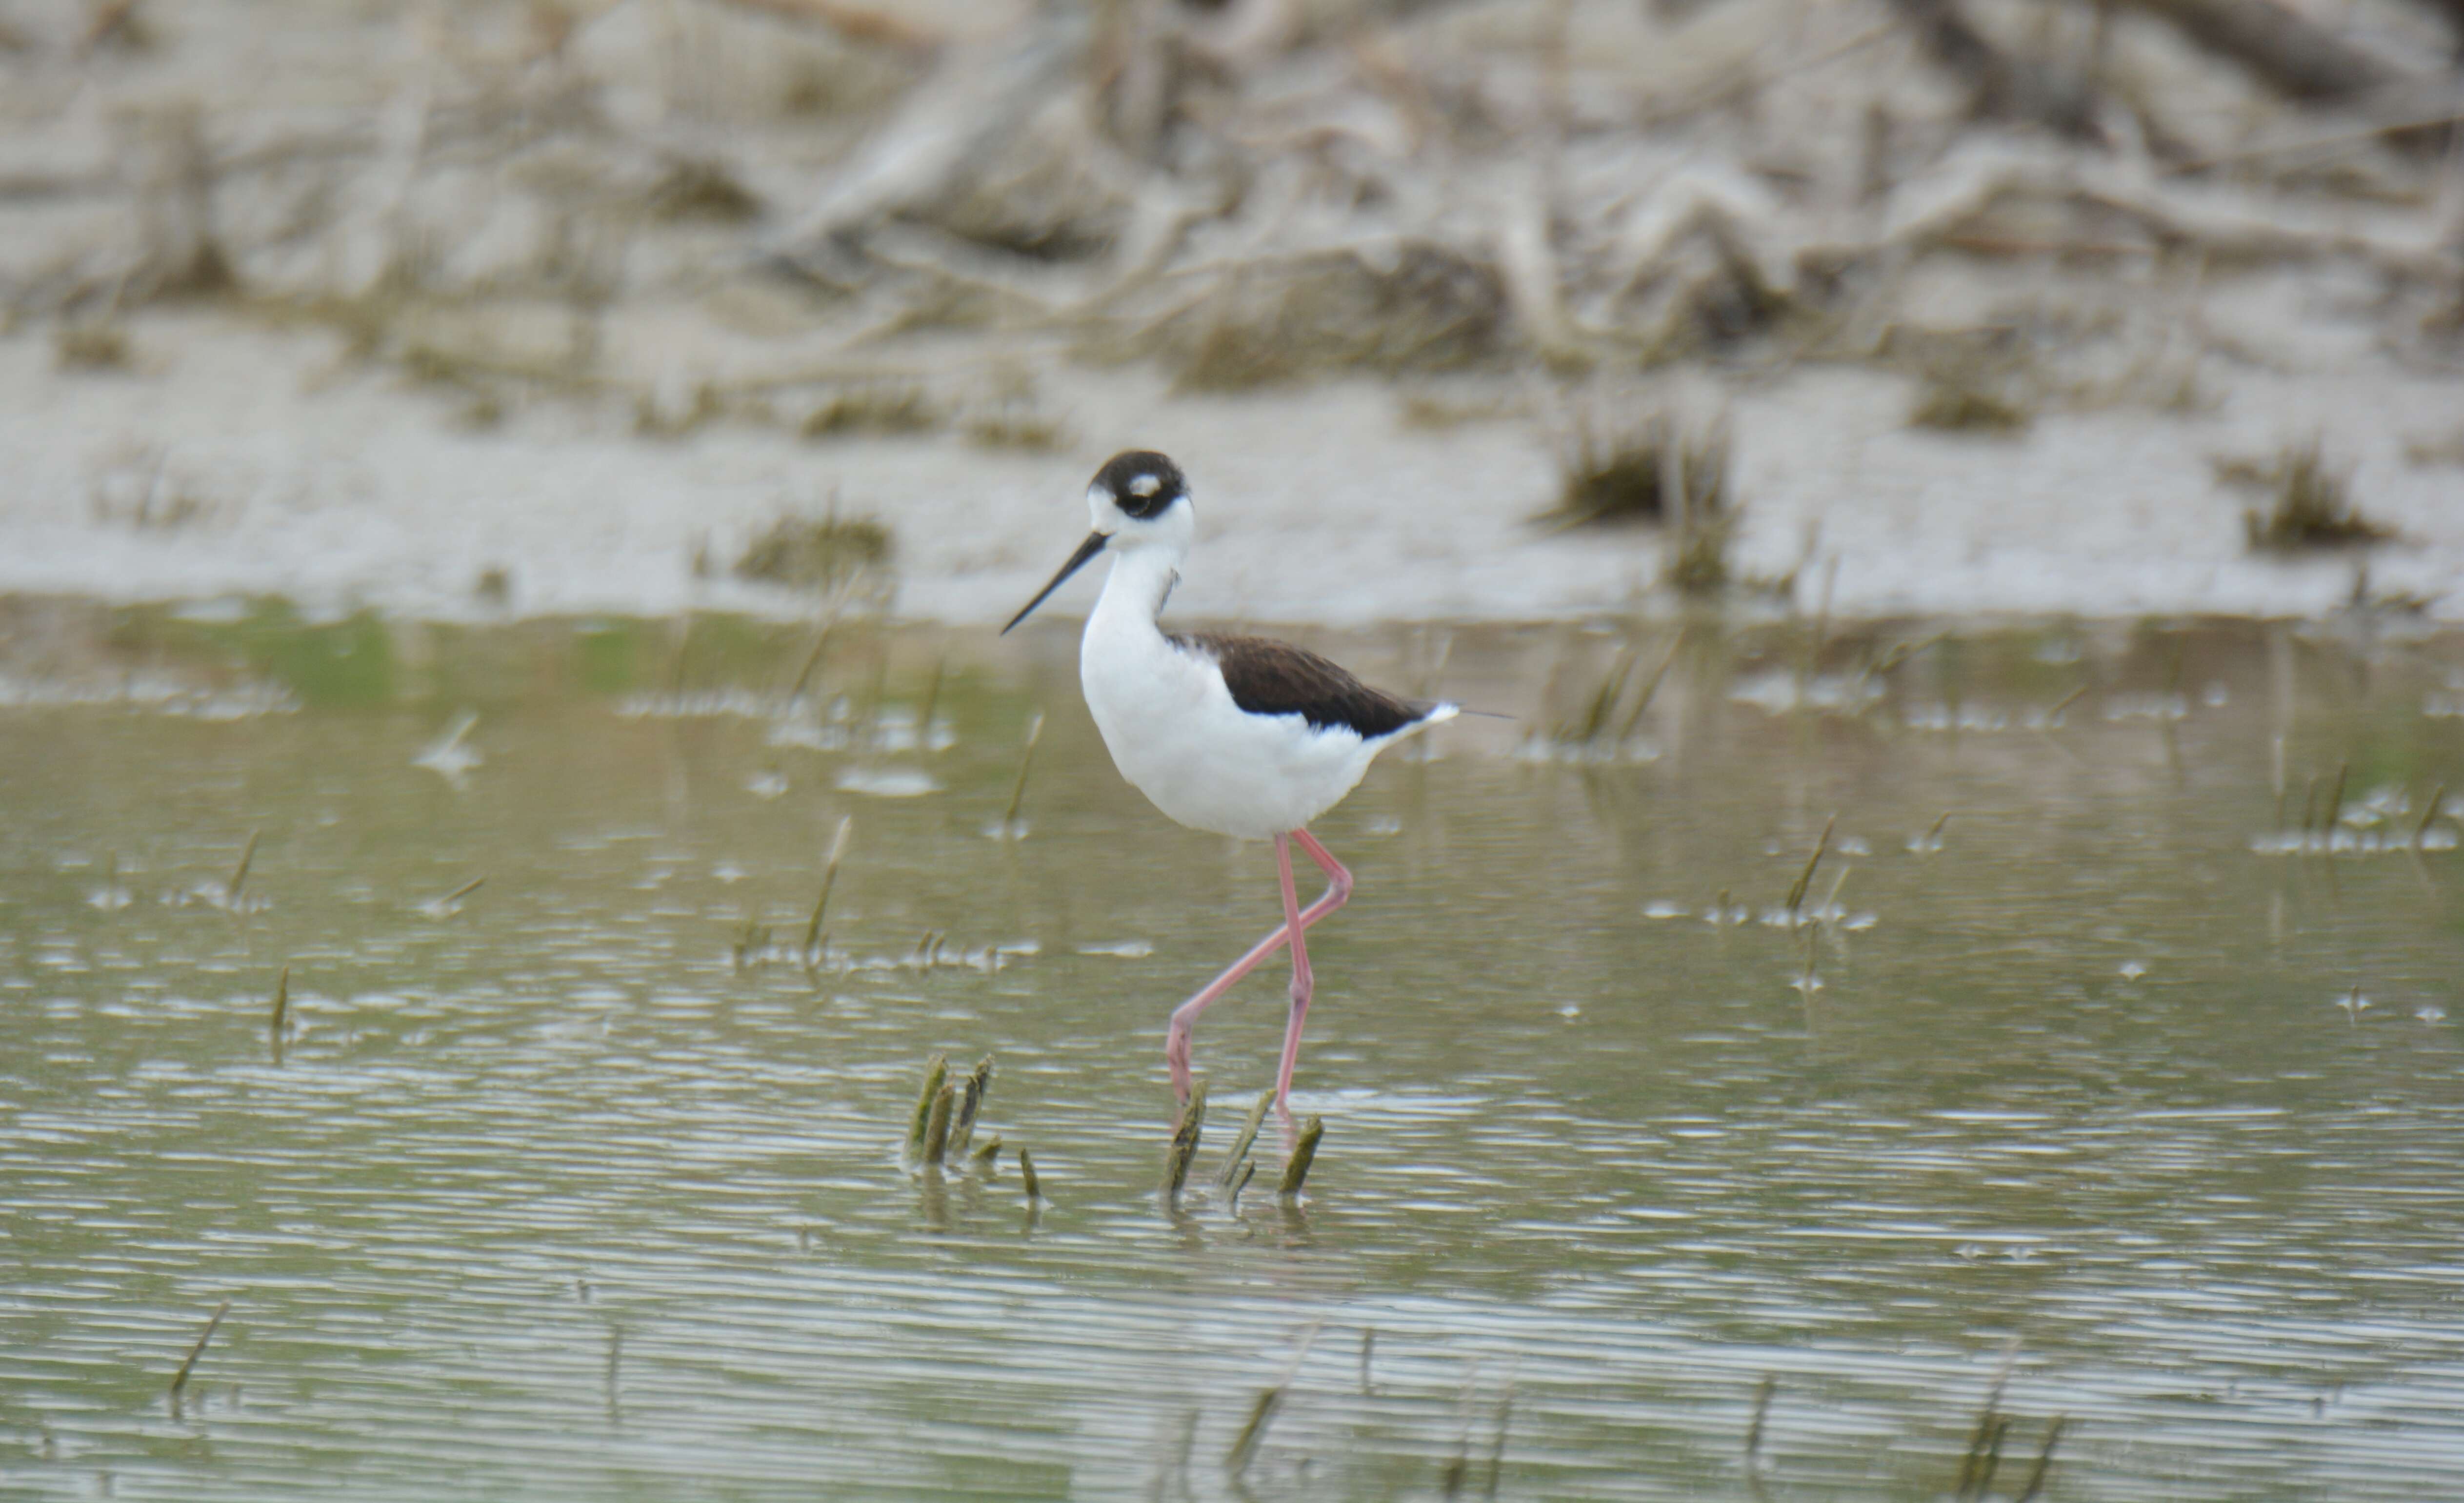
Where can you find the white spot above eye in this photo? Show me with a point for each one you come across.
(1146, 486)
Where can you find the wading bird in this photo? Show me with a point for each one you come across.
(1238, 735)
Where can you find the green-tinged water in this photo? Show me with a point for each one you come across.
(589, 1187)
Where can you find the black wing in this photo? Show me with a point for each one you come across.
(1275, 678)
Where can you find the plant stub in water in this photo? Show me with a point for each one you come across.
(238, 883)
(1183, 1147)
(1805, 878)
(971, 1099)
(1246, 1139)
(1304, 1154)
(814, 938)
(936, 1125)
(936, 1071)
(188, 1364)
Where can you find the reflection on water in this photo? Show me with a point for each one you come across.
(2135, 1073)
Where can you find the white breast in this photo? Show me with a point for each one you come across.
(1175, 732)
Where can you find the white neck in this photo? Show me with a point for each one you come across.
(1135, 591)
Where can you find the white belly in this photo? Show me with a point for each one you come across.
(1176, 735)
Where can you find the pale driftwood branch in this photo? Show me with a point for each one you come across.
(856, 23)
(1528, 263)
(2387, 112)
(2007, 87)
(2292, 54)
(2220, 219)
(978, 95)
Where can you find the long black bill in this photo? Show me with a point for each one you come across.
(1093, 545)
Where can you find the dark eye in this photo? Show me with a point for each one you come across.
(1142, 483)
(1143, 507)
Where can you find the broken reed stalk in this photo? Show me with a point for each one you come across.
(936, 1071)
(1249, 1167)
(1831, 902)
(1901, 652)
(1650, 687)
(1182, 1150)
(812, 659)
(188, 1364)
(1450, 1481)
(751, 942)
(932, 703)
(233, 888)
(2334, 809)
(462, 892)
(1304, 1154)
(1933, 832)
(1026, 760)
(962, 1129)
(1604, 700)
(1762, 1411)
(281, 1002)
(2054, 715)
(936, 1126)
(2428, 816)
(1253, 1431)
(1497, 1442)
(829, 880)
(1027, 1167)
(1993, 1457)
(1985, 1443)
(2044, 1461)
(676, 660)
(986, 1154)
(1246, 1138)
(871, 719)
(1796, 889)
(1971, 1466)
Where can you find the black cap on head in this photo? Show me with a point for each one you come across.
(1141, 482)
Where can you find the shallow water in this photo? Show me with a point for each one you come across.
(586, 1187)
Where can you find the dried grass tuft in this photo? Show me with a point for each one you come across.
(814, 553)
(2310, 504)
(1647, 471)
(1953, 404)
(1263, 325)
(697, 188)
(883, 408)
(91, 346)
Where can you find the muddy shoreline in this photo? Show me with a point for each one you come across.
(554, 309)
(242, 460)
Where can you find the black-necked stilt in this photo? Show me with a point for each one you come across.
(1239, 735)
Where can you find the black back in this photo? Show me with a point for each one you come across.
(1275, 678)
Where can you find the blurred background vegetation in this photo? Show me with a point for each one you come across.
(754, 212)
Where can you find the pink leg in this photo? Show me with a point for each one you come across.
(1184, 1017)
(1303, 982)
